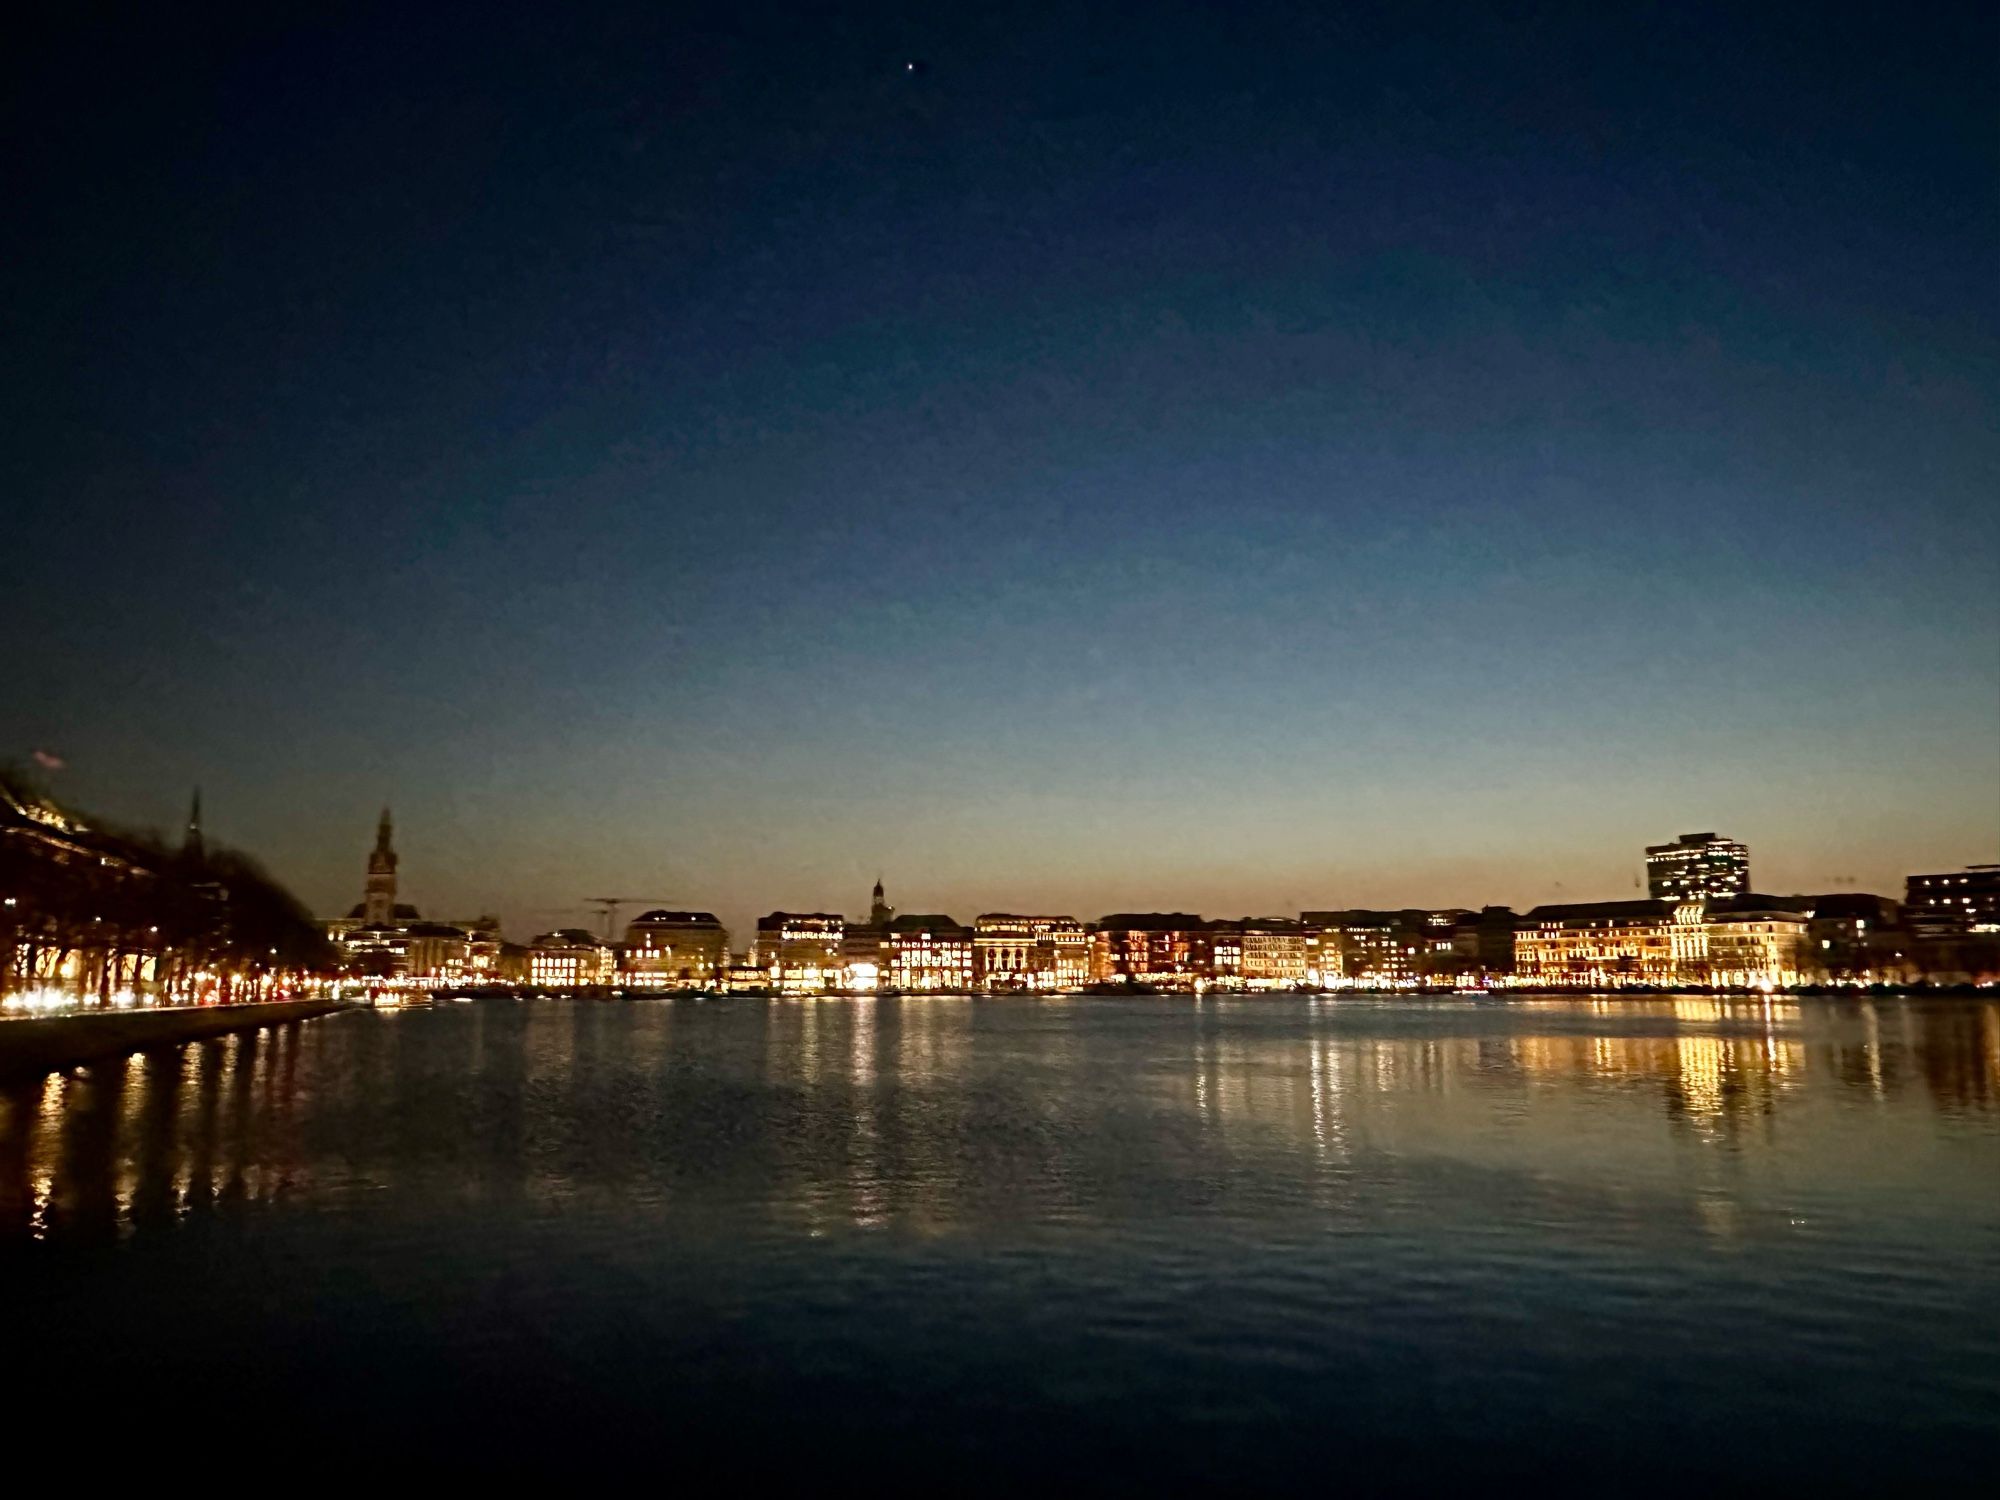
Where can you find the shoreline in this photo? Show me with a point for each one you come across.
(33, 1045)
(1511, 992)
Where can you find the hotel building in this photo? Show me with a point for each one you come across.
(1737, 942)
(1697, 867)
(1753, 942)
(1605, 944)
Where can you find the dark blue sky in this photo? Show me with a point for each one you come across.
(1230, 456)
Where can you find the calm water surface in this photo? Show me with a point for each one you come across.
(1096, 1243)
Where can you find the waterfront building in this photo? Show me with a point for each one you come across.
(375, 949)
(1954, 904)
(435, 953)
(1605, 944)
(1370, 949)
(1008, 954)
(1697, 867)
(1325, 968)
(930, 953)
(1068, 943)
(1439, 961)
(1954, 924)
(1854, 938)
(1482, 945)
(1755, 942)
(674, 950)
(510, 963)
(485, 950)
(802, 952)
(1272, 953)
(1225, 954)
(865, 945)
(864, 957)
(571, 958)
(740, 976)
(1013, 952)
(1168, 949)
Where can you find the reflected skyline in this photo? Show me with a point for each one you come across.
(876, 1234)
(883, 1109)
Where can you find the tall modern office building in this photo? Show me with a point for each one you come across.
(1697, 867)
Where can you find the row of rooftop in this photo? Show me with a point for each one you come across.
(1948, 930)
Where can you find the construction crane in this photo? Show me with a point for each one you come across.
(607, 908)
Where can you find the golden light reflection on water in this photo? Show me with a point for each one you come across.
(99, 1151)
(926, 1111)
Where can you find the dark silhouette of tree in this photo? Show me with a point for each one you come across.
(97, 909)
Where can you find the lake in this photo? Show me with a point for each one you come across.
(1093, 1243)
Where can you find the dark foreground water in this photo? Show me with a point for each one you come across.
(1092, 1244)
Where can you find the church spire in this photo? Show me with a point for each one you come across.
(378, 904)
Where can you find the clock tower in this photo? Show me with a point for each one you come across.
(378, 907)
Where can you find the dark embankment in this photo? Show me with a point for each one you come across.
(39, 1044)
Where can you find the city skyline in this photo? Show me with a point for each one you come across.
(1536, 873)
(380, 904)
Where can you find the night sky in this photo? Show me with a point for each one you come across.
(1231, 457)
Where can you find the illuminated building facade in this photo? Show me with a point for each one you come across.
(1604, 944)
(485, 951)
(1697, 867)
(1324, 966)
(1068, 942)
(571, 958)
(374, 948)
(802, 953)
(1167, 949)
(1369, 949)
(674, 950)
(1754, 942)
(1225, 954)
(435, 953)
(1008, 954)
(865, 945)
(1951, 905)
(1272, 953)
(1014, 952)
(930, 953)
